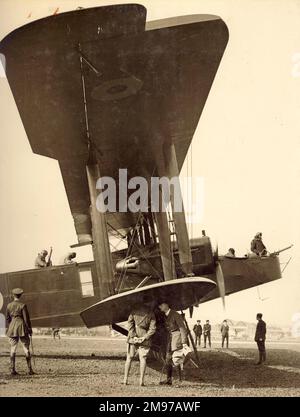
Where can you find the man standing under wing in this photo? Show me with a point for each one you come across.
(141, 327)
(177, 340)
(18, 329)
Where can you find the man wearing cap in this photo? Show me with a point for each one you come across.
(257, 245)
(69, 259)
(207, 331)
(177, 340)
(18, 329)
(260, 338)
(225, 333)
(230, 253)
(40, 261)
(198, 332)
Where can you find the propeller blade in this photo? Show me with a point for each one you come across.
(216, 254)
(221, 282)
(191, 310)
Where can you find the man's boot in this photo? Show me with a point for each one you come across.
(260, 359)
(30, 370)
(179, 373)
(264, 357)
(168, 381)
(13, 365)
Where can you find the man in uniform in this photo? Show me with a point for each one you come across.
(198, 332)
(225, 333)
(69, 259)
(55, 332)
(260, 337)
(230, 253)
(177, 340)
(18, 329)
(207, 331)
(257, 245)
(40, 261)
(141, 327)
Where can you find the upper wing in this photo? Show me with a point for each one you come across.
(98, 71)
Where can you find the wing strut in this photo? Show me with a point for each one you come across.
(101, 249)
(165, 247)
(168, 167)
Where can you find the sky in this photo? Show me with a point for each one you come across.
(246, 149)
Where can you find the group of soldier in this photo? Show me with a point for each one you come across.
(206, 331)
(257, 248)
(143, 325)
(260, 335)
(41, 260)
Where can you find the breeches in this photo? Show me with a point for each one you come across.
(25, 341)
(133, 349)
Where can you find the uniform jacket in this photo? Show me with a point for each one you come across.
(141, 323)
(207, 328)
(261, 330)
(17, 320)
(176, 331)
(225, 329)
(197, 329)
(68, 261)
(257, 246)
(40, 262)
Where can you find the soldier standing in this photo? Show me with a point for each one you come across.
(141, 327)
(55, 332)
(198, 332)
(177, 340)
(260, 337)
(257, 245)
(18, 329)
(207, 331)
(225, 333)
(41, 262)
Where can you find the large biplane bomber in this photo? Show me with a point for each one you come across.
(99, 90)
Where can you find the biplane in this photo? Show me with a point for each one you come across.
(99, 90)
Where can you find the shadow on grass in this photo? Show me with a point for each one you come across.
(93, 357)
(222, 370)
(276, 357)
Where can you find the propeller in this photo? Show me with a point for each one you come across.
(221, 282)
(191, 310)
(220, 276)
(216, 254)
